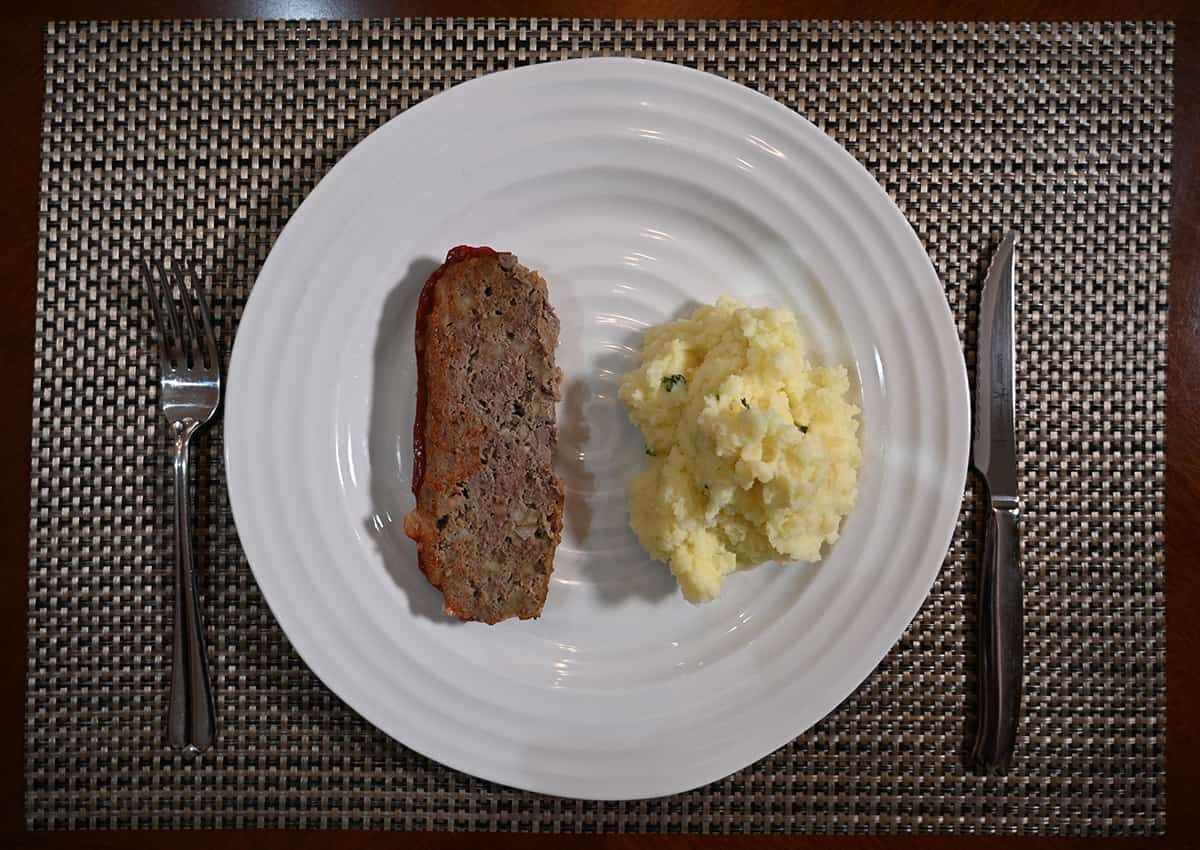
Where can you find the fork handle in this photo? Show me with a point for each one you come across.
(192, 717)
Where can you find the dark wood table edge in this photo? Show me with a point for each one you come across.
(22, 86)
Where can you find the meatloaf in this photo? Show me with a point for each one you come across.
(489, 506)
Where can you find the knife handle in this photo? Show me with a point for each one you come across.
(1000, 639)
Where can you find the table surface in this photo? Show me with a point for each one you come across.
(21, 86)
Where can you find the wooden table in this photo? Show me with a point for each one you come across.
(21, 85)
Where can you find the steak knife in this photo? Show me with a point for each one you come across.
(994, 456)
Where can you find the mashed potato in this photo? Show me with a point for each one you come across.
(752, 454)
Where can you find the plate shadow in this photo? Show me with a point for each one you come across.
(389, 441)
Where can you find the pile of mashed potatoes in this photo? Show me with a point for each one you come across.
(752, 453)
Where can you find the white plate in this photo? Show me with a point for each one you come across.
(638, 189)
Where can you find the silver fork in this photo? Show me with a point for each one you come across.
(191, 391)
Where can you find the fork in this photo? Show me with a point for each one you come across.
(190, 394)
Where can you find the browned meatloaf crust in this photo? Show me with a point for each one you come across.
(489, 507)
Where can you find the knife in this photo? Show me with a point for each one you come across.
(994, 456)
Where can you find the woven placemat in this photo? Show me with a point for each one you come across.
(205, 136)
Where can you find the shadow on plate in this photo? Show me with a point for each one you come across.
(389, 441)
(578, 481)
(595, 425)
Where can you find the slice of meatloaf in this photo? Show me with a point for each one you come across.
(489, 507)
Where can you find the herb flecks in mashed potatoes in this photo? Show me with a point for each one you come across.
(752, 454)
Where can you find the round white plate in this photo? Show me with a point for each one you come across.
(638, 190)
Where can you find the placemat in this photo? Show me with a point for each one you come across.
(203, 137)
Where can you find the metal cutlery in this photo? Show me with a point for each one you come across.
(190, 394)
(994, 456)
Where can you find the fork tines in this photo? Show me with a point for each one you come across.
(170, 291)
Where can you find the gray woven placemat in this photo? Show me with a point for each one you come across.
(206, 136)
